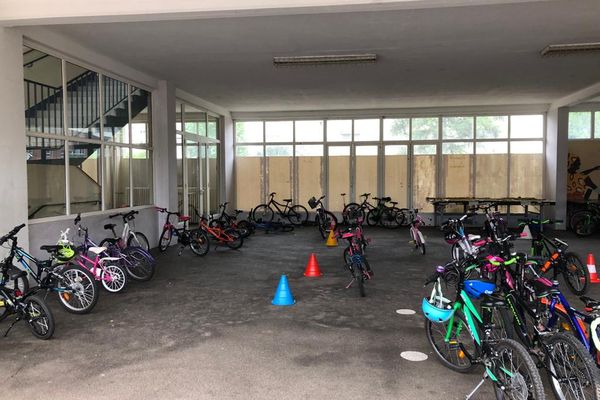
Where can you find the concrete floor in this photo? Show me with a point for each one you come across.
(204, 328)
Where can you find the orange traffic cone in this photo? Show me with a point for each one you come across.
(591, 265)
(312, 268)
(331, 240)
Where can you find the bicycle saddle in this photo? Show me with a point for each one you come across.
(386, 199)
(50, 248)
(342, 194)
(590, 303)
(394, 203)
(239, 211)
(287, 200)
(109, 226)
(184, 218)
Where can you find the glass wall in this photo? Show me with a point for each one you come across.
(107, 125)
(406, 158)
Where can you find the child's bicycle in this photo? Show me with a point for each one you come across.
(354, 256)
(324, 219)
(228, 236)
(416, 236)
(196, 239)
(553, 257)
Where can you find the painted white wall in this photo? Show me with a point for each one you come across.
(13, 185)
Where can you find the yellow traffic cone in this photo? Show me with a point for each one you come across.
(331, 240)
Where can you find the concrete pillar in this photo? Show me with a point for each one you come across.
(228, 157)
(13, 184)
(557, 147)
(165, 148)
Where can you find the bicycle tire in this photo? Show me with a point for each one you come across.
(578, 357)
(372, 219)
(535, 387)
(116, 272)
(457, 358)
(238, 239)
(352, 212)
(423, 249)
(359, 278)
(139, 240)
(139, 264)
(400, 217)
(388, 218)
(580, 274)
(249, 226)
(165, 239)
(297, 215)
(583, 223)
(84, 282)
(324, 223)
(263, 213)
(38, 310)
(199, 242)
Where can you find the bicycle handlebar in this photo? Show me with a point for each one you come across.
(11, 234)
(365, 195)
(164, 210)
(127, 216)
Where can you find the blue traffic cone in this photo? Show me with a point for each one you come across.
(283, 295)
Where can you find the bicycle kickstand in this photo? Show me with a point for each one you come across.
(470, 395)
(350, 284)
(11, 325)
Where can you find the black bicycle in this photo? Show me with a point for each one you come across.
(296, 214)
(225, 220)
(26, 306)
(325, 220)
(386, 216)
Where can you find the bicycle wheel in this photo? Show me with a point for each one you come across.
(199, 242)
(352, 212)
(324, 223)
(456, 352)
(39, 318)
(114, 278)
(297, 215)
(19, 285)
(583, 223)
(82, 294)
(359, 278)
(140, 240)
(516, 372)
(165, 239)
(400, 217)
(373, 217)
(576, 274)
(237, 239)
(246, 225)
(571, 369)
(138, 263)
(422, 247)
(263, 213)
(389, 218)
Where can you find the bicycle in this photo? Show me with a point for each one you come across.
(586, 222)
(356, 262)
(75, 287)
(507, 363)
(570, 366)
(228, 236)
(225, 220)
(25, 305)
(104, 268)
(416, 235)
(379, 214)
(129, 236)
(296, 214)
(138, 263)
(552, 254)
(325, 220)
(196, 239)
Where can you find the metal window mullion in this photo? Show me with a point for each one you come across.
(352, 164)
(66, 143)
(381, 162)
(102, 145)
(474, 183)
(325, 166)
(440, 186)
(131, 200)
(508, 188)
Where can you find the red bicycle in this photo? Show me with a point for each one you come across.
(227, 236)
(196, 239)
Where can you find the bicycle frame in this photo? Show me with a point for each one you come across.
(97, 266)
(25, 258)
(216, 232)
(274, 202)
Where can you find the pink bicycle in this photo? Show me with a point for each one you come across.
(104, 269)
(416, 235)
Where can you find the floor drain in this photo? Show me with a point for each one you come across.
(413, 356)
(405, 311)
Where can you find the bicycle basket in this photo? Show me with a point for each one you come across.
(312, 202)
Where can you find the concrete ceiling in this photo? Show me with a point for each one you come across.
(452, 56)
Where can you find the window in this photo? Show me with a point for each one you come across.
(526, 168)
(248, 176)
(457, 169)
(194, 120)
(366, 130)
(526, 126)
(338, 177)
(366, 170)
(213, 127)
(85, 177)
(492, 127)
(279, 131)
(309, 131)
(309, 162)
(580, 125)
(396, 129)
(396, 173)
(597, 125)
(339, 130)
(425, 128)
(457, 128)
(424, 176)
(279, 170)
(491, 179)
(46, 177)
(249, 132)
(103, 117)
